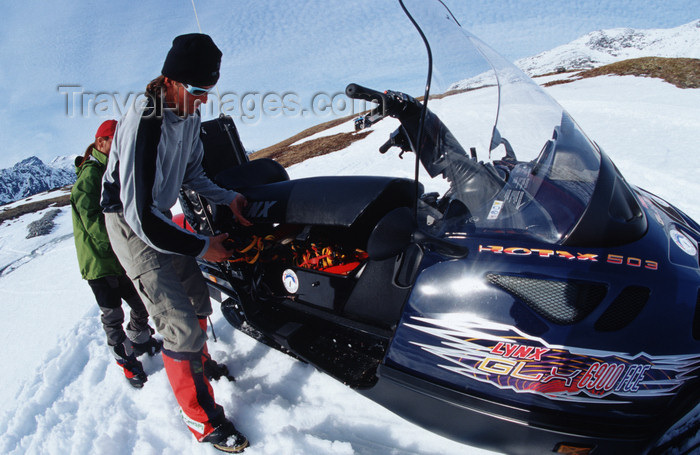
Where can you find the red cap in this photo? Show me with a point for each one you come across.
(106, 129)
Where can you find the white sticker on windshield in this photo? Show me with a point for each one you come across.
(495, 210)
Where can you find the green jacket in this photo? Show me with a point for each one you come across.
(95, 255)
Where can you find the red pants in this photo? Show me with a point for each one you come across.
(192, 389)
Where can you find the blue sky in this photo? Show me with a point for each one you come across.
(56, 57)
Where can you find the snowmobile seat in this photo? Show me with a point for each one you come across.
(339, 201)
(253, 173)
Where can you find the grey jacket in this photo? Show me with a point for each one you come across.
(153, 156)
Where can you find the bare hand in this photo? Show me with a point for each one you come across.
(237, 206)
(216, 251)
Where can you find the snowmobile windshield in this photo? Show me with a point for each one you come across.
(516, 162)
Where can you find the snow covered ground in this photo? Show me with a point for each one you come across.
(607, 46)
(63, 394)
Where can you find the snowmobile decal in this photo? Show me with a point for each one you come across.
(495, 210)
(683, 242)
(543, 253)
(632, 262)
(507, 358)
(260, 209)
(290, 281)
(649, 205)
(563, 254)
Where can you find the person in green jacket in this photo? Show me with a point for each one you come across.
(101, 268)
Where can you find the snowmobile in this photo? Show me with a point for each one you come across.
(517, 294)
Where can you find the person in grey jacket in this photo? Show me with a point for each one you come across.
(157, 150)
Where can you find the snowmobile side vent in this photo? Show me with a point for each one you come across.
(626, 306)
(696, 318)
(560, 302)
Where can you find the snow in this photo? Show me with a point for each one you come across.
(648, 127)
(36, 197)
(613, 45)
(63, 394)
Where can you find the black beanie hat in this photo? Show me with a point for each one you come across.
(194, 59)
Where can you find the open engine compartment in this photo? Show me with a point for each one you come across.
(303, 278)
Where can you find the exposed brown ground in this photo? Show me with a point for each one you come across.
(681, 72)
(30, 207)
(287, 154)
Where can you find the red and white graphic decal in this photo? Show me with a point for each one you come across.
(503, 356)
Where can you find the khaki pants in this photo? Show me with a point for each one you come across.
(171, 286)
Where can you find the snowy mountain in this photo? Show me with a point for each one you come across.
(31, 176)
(66, 162)
(608, 46)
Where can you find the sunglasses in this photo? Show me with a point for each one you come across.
(196, 91)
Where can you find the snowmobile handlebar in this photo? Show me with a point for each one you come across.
(390, 103)
(358, 92)
(394, 104)
(397, 139)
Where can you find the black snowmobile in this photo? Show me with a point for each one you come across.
(529, 302)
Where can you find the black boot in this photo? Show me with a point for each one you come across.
(133, 370)
(150, 347)
(227, 438)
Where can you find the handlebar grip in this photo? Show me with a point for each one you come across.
(386, 146)
(359, 92)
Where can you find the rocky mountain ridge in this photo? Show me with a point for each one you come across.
(603, 47)
(31, 176)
